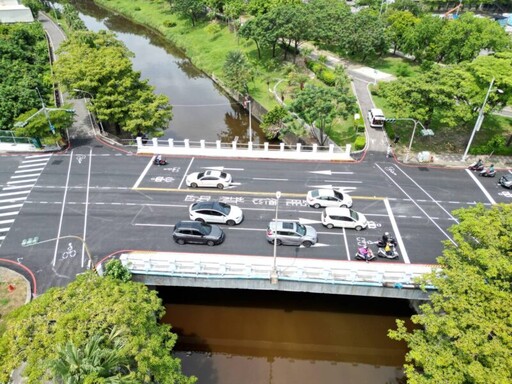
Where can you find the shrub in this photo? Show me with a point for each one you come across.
(403, 70)
(169, 24)
(212, 28)
(360, 143)
(317, 68)
(328, 77)
(136, 9)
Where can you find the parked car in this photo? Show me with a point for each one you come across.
(343, 218)
(215, 212)
(328, 198)
(291, 233)
(215, 179)
(197, 232)
(506, 181)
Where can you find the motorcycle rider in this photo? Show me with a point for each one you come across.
(490, 170)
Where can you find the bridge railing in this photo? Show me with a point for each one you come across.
(378, 274)
(242, 150)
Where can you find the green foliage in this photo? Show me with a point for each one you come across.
(465, 330)
(115, 269)
(39, 126)
(169, 24)
(72, 18)
(38, 332)
(237, 71)
(193, 9)
(213, 28)
(360, 143)
(496, 145)
(34, 5)
(328, 77)
(403, 70)
(272, 122)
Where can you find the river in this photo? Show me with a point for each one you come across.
(201, 109)
(235, 336)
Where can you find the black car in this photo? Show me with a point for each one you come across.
(197, 232)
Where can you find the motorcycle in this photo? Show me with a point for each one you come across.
(158, 161)
(382, 244)
(477, 166)
(364, 253)
(390, 253)
(487, 173)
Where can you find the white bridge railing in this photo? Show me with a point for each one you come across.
(245, 150)
(209, 266)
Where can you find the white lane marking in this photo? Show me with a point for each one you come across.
(24, 176)
(11, 206)
(2, 237)
(153, 225)
(487, 194)
(397, 232)
(21, 181)
(269, 179)
(417, 205)
(186, 172)
(343, 181)
(6, 221)
(5, 229)
(428, 194)
(330, 173)
(34, 161)
(12, 200)
(9, 214)
(17, 187)
(223, 169)
(62, 210)
(84, 236)
(29, 170)
(143, 174)
(33, 165)
(346, 244)
(37, 156)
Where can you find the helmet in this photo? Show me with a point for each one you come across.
(386, 233)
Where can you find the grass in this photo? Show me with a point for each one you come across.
(396, 66)
(11, 299)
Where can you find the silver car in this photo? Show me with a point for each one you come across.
(291, 233)
(506, 181)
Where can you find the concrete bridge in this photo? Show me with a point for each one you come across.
(356, 278)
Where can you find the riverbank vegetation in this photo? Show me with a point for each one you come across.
(465, 329)
(85, 333)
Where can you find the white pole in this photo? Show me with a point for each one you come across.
(479, 121)
(273, 275)
(410, 143)
(250, 122)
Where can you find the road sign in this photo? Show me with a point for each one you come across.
(30, 241)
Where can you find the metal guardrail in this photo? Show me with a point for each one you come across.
(260, 268)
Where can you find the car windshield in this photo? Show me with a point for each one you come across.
(301, 229)
(354, 215)
(224, 175)
(225, 208)
(206, 229)
(339, 195)
(200, 175)
(314, 193)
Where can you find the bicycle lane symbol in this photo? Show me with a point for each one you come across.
(69, 252)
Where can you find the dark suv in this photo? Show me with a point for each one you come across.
(197, 232)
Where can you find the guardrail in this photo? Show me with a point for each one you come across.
(216, 266)
(242, 150)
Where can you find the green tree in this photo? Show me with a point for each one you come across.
(272, 122)
(319, 106)
(465, 331)
(91, 305)
(193, 9)
(328, 17)
(399, 25)
(422, 41)
(37, 125)
(237, 71)
(114, 268)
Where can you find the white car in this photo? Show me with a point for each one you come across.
(214, 179)
(343, 218)
(328, 198)
(215, 212)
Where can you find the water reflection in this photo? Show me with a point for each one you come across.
(201, 110)
(290, 337)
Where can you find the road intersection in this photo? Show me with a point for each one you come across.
(122, 202)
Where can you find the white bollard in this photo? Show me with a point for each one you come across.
(155, 142)
(171, 143)
(217, 143)
(233, 145)
(249, 146)
(347, 149)
(265, 146)
(281, 147)
(331, 148)
(202, 144)
(186, 142)
(315, 148)
(298, 147)
(139, 142)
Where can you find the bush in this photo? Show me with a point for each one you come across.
(169, 24)
(360, 143)
(328, 77)
(213, 28)
(403, 70)
(136, 9)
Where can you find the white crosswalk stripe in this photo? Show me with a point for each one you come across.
(17, 189)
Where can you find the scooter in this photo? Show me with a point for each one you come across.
(391, 253)
(365, 253)
(477, 166)
(487, 173)
(159, 162)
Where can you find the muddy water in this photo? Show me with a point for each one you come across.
(201, 109)
(235, 336)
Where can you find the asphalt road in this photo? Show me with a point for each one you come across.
(123, 202)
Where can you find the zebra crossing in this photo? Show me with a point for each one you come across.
(17, 189)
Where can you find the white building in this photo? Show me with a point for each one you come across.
(13, 12)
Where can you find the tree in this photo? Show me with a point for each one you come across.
(194, 9)
(465, 333)
(328, 17)
(320, 106)
(237, 71)
(272, 122)
(421, 42)
(399, 25)
(37, 125)
(92, 305)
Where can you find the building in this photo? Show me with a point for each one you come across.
(13, 12)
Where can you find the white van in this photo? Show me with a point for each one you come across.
(376, 118)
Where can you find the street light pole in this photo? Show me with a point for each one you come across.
(410, 143)
(479, 121)
(250, 122)
(45, 111)
(273, 274)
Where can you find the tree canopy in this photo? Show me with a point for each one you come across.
(465, 333)
(94, 318)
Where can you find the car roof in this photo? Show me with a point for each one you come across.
(211, 172)
(377, 112)
(326, 192)
(205, 204)
(283, 225)
(337, 211)
(189, 224)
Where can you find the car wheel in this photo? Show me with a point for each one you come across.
(193, 185)
(330, 226)
(307, 244)
(210, 243)
(230, 222)
(358, 228)
(220, 186)
(180, 241)
(278, 242)
(316, 205)
(200, 220)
